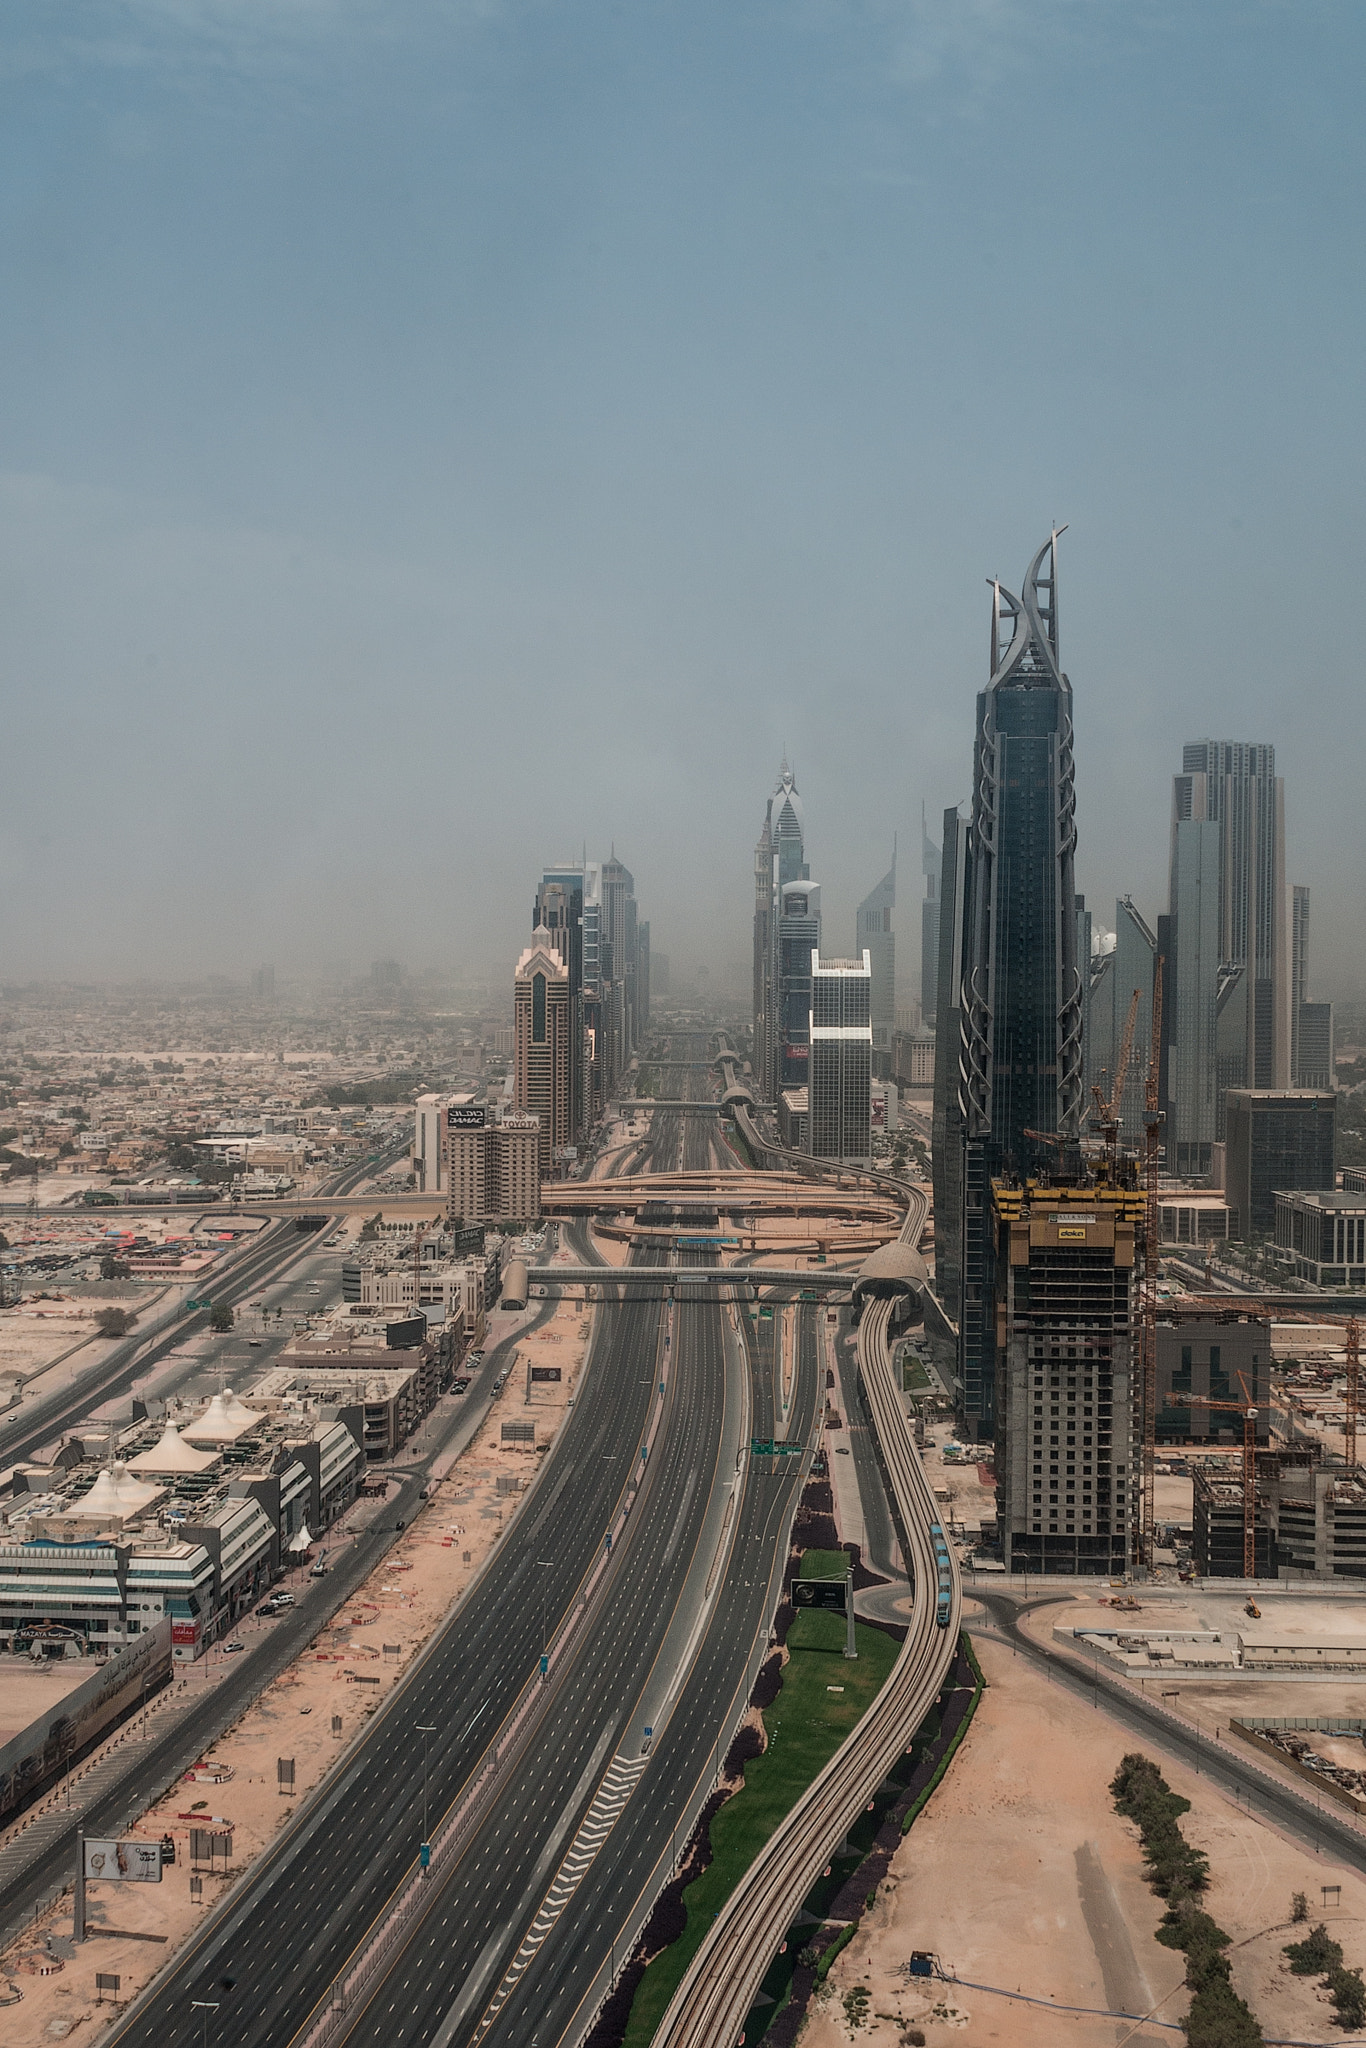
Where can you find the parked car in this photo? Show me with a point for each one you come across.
(231, 1649)
(269, 1611)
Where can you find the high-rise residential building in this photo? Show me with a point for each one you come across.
(642, 974)
(619, 957)
(875, 938)
(1191, 941)
(947, 1121)
(1234, 786)
(840, 1065)
(1311, 1024)
(1279, 1140)
(558, 909)
(1020, 1058)
(492, 1168)
(263, 984)
(799, 938)
(932, 867)
(1065, 1302)
(541, 1022)
(779, 858)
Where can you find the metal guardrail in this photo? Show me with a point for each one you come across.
(718, 1990)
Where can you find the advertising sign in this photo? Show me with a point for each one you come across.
(471, 1239)
(184, 1634)
(466, 1116)
(123, 1862)
(545, 1372)
(818, 1593)
(877, 1112)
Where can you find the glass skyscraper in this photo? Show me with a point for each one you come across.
(1020, 1041)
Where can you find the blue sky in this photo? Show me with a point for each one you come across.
(437, 434)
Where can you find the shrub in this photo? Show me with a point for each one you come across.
(113, 1322)
(1315, 1955)
(1348, 1994)
(1299, 1907)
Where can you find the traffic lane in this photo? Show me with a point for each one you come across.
(465, 1685)
(547, 2002)
(884, 1551)
(1316, 1830)
(483, 1910)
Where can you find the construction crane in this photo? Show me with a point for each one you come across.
(1152, 1153)
(1248, 1410)
(1106, 1122)
(1253, 1305)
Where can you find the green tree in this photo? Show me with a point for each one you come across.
(1349, 1997)
(114, 1322)
(114, 1269)
(221, 1317)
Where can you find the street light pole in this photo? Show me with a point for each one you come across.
(206, 2006)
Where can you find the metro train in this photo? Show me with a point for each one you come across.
(944, 1569)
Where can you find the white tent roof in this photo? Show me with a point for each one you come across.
(102, 1502)
(134, 1493)
(223, 1421)
(303, 1541)
(171, 1455)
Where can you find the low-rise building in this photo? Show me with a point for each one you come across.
(1324, 1235)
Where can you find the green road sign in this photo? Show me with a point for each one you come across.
(767, 1447)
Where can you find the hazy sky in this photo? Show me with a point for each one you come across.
(436, 434)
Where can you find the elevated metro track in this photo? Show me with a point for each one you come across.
(711, 2004)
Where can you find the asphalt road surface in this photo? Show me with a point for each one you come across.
(546, 2005)
(317, 1891)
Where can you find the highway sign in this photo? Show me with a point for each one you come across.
(770, 1447)
(818, 1593)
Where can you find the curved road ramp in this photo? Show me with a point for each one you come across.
(711, 2004)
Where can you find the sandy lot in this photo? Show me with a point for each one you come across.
(309, 1715)
(1020, 1875)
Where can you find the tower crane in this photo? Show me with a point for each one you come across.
(1248, 1410)
(1106, 1121)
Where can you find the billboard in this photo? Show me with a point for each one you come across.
(470, 1239)
(123, 1862)
(818, 1593)
(877, 1112)
(466, 1116)
(184, 1634)
(545, 1372)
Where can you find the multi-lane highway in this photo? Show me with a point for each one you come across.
(307, 1910)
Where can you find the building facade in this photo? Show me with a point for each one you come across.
(779, 858)
(840, 1064)
(1279, 1141)
(1233, 785)
(875, 941)
(1020, 1043)
(1324, 1236)
(493, 1170)
(542, 1026)
(1066, 1310)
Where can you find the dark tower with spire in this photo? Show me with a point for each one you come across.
(1020, 1044)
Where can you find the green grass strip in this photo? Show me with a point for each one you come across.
(946, 1759)
(825, 1564)
(806, 1724)
(842, 1940)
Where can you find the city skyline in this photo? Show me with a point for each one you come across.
(290, 536)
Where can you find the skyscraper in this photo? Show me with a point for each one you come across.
(841, 1048)
(642, 974)
(558, 909)
(541, 1028)
(1194, 985)
(932, 867)
(799, 937)
(1311, 1024)
(779, 858)
(947, 1122)
(1234, 785)
(619, 936)
(1020, 1059)
(1133, 967)
(875, 938)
